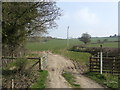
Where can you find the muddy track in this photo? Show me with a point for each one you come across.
(56, 65)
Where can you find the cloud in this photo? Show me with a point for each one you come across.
(85, 16)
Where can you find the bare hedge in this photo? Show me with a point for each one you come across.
(107, 51)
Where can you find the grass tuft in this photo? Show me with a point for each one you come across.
(71, 79)
(109, 80)
(41, 80)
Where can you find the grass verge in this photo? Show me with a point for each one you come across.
(109, 80)
(41, 80)
(81, 57)
(71, 79)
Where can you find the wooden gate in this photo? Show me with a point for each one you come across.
(5, 60)
(110, 65)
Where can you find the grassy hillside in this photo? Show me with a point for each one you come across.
(54, 44)
(94, 39)
(109, 44)
(59, 46)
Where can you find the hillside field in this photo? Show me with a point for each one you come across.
(59, 46)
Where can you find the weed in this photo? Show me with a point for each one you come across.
(71, 79)
(41, 80)
(21, 63)
(109, 80)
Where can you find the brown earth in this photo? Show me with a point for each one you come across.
(56, 65)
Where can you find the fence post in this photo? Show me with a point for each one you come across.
(107, 54)
(46, 59)
(101, 60)
(20, 54)
(90, 64)
(12, 83)
(12, 57)
(98, 55)
(113, 65)
(98, 59)
(39, 63)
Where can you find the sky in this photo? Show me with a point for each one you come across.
(99, 19)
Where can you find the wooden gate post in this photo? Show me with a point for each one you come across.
(90, 63)
(98, 60)
(101, 60)
(113, 65)
(12, 83)
(39, 63)
(42, 63)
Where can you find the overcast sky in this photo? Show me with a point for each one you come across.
(96, 18)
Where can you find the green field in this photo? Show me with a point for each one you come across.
(55, 44)
(109, 44)
(59, 46)
(94, 39)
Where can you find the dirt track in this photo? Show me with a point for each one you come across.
(56, 65)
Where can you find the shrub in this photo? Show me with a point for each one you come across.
(85, 38)
(98, 41)
(105, 40)
(113, 52)
(21, 64)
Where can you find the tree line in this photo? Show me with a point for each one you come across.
(86, 38)
(23, 19)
